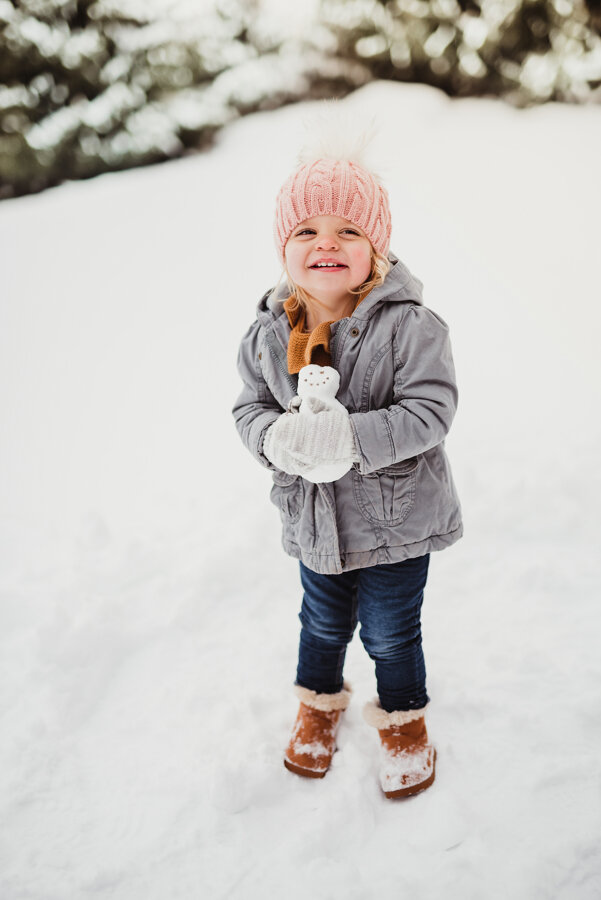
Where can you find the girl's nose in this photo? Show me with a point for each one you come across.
(326, 242)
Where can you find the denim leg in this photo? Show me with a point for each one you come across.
(328, 617)
(389, 606)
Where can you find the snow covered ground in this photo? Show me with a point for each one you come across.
(148, 622)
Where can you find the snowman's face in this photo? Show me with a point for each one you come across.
(318, 380)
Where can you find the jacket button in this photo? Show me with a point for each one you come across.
(260, 356)
(354, 332)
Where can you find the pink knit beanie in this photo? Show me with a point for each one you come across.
(333, 187)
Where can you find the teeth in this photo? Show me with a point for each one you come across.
(326, 265)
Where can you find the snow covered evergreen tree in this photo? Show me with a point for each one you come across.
(88, 86)
(527, 51)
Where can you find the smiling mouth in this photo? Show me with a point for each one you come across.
(329, 266)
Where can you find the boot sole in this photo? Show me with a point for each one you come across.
(414, 788)
(306, 773)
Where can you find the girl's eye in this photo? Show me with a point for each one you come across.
(304, 231)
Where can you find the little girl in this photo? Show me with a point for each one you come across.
(363, 540)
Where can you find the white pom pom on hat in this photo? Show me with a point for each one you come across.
(333, 134)
(332, 179)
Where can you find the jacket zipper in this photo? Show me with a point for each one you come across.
(336, 340)
(270, 340)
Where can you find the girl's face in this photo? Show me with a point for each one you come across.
(328, 256)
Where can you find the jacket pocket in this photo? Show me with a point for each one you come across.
(386, 497)
(288, 493)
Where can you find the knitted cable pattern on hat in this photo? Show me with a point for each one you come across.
(333, 187)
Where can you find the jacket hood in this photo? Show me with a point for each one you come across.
(399, 286)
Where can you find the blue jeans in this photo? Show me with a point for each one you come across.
(387, 601)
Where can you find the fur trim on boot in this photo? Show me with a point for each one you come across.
(313, 739)
(407, 756)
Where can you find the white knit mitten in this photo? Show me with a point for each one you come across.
(315, 438)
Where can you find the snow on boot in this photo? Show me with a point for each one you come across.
(407, 756)
(313, 739)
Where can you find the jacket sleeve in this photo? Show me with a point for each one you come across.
(256, 408)
(425, 396)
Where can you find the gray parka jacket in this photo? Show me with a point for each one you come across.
(397, 381)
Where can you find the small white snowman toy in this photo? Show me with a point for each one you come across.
(314, 438)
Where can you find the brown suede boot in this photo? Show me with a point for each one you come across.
(313, 739)
(407, 756)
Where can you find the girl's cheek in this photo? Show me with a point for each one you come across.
(363, 265)
(289, 258)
